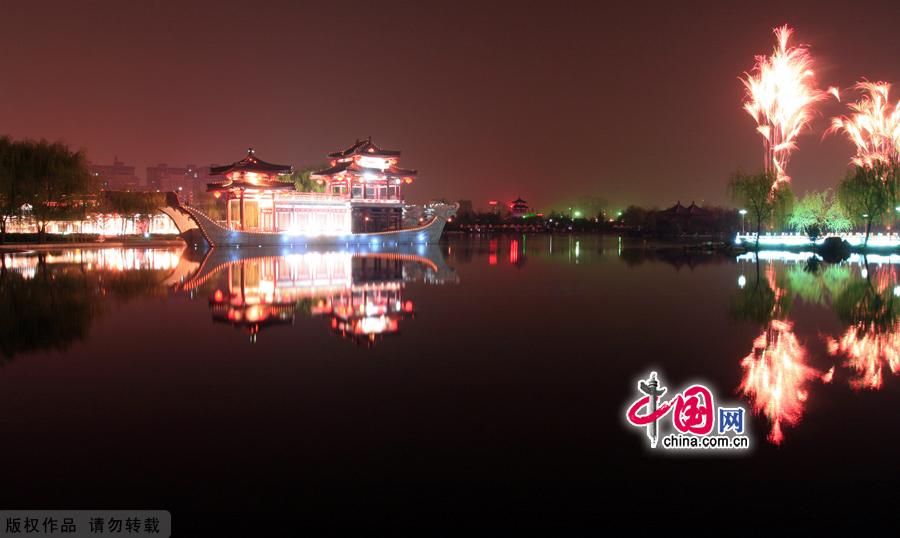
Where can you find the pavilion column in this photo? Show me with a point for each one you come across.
(228, 209)
(242, 209)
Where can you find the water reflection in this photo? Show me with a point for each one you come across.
(776, 375)
(361, 293)
(49, 300)
(862, 295)
(871, 342)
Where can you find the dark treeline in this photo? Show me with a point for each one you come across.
(673, 222)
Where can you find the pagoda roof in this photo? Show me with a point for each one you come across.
(364, 147)
(691, 210)
(519, 201)
(251, 163)
(353, 168)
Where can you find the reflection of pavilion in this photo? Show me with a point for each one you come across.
(361, 292)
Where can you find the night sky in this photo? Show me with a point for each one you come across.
(548, 101)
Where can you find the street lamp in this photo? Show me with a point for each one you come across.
(743, 213)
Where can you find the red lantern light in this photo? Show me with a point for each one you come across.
(217, 195)
(407, 180)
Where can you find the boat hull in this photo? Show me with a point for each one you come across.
(187, 218)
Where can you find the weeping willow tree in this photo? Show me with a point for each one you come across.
(868, 193)
(757, 194)
(46, 176)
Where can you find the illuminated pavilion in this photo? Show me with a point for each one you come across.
(264, 203)
(369, 177)
(518, 208)
(363, 193)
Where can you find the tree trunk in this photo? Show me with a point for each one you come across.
(42, 232)
(758, 228)
(868, 227)
(2, 230)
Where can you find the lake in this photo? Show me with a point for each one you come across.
(484, 376)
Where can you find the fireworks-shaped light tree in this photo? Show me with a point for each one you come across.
(780, 94)
(873, 125)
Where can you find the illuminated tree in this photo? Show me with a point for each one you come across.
(780, 94)
(818, 212)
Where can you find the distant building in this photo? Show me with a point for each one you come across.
(188, 181)
(685, 219)
(164, 178)
(465, 207)
(518, 208)
(117, 176)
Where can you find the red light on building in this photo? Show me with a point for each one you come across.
(218, 296)
(217, 195)
(493, 202)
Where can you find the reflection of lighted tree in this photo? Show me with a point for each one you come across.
(57, 305)
(815, 285)
(863, 303)
(872, 339)
(761, 300)
(868, 350)
(776, 375)
(44, 312)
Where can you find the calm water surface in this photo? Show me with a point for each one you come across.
(484, 375)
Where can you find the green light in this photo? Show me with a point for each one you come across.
(577, 214)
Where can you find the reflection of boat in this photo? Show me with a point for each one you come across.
(361, 290)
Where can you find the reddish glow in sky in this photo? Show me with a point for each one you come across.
(488, 101)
